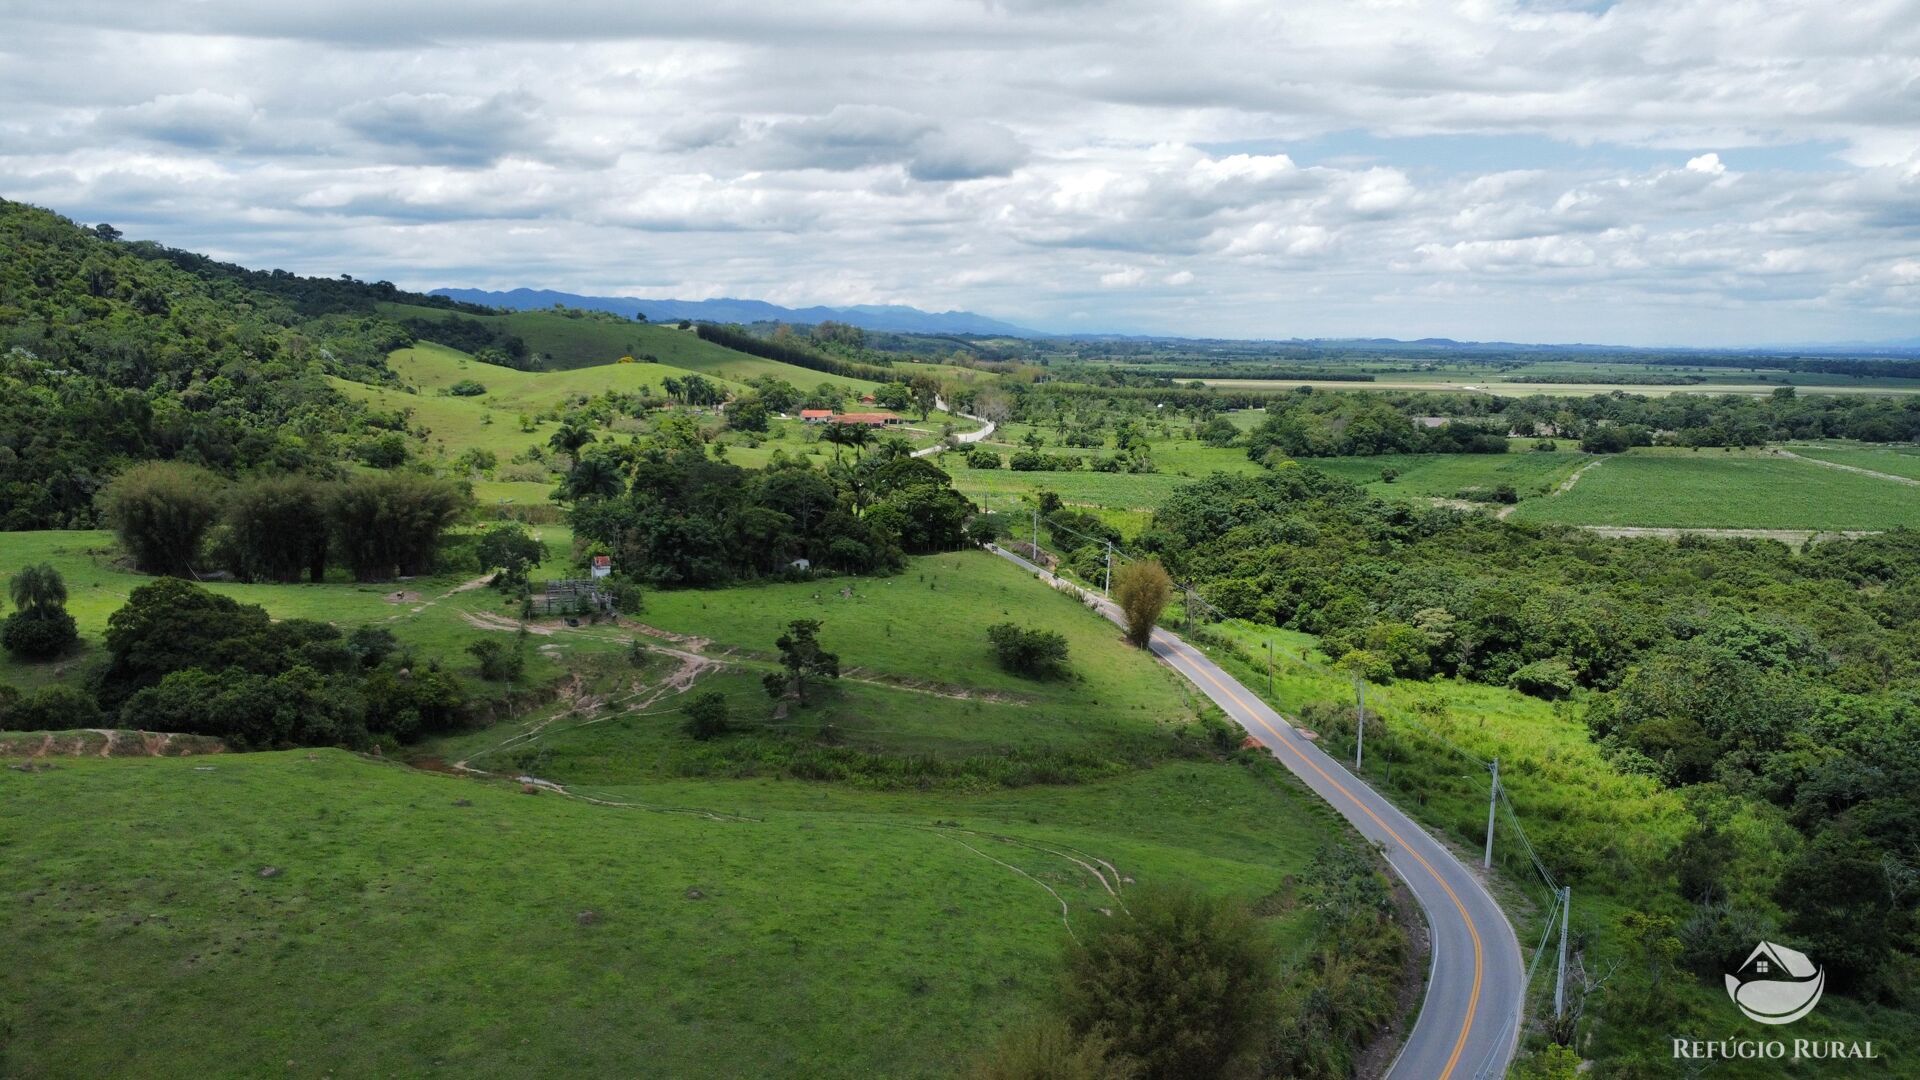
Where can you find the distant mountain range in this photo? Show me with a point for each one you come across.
(896, 318)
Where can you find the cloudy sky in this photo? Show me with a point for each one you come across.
(1646, 172)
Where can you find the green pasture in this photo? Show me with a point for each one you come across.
(1719, 489)
(1445, 476)
(1892, 460)
(416, 922)
(425, 613)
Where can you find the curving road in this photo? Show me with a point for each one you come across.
(1469, 1023)
(963, 437)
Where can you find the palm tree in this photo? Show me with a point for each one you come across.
(859, 437)
(592, 476)
(573, 435)
(37, 587)
(839, 435)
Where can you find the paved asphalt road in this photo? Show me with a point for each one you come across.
(1470, 1021)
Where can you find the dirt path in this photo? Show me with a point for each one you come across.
(1565, 486)
(1850, 468)
(1791, 537)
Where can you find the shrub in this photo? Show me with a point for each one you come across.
(467, 388)
(498, 661)
(161, 511)
(387, 450)
(1046, 1049)
(1550, 678)
(371, 645)
(1181, 981)
(39, 633)
(1039, 654)
(55, 708)
(982, 458)
(706, 716)
(1142, 590)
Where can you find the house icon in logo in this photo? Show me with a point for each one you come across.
(1776, 985)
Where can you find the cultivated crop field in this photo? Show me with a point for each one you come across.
(1715, 489)
(1445, 476)
(1892, 460)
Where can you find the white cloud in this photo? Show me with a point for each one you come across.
(1661, 170)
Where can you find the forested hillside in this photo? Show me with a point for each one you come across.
(1777, 692)
(114, 352)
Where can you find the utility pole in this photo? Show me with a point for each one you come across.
(1036, 538)
(1359, 720)
(1269, 667)
(1560, 982)
(1107, 588)
(1493, 804)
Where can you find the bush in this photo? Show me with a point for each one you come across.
(1046, 1049)
(628, 597)
(707, 716)
(1550, 678)
(498, 661)
(1142, 590)
(1181, 981)
(161, 511)
(371, 645)
(39, 633)
(467, 388)
(1039, 654)
(982, 458)
(54, 708)
(387, 450)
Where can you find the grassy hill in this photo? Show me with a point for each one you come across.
(885, 859)
(591, 341)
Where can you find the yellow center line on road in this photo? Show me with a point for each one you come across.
(1473, 998)
(1177, 649)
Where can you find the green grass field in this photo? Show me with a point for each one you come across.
(1445, 476)
(1892, 460)
(1715, 489)
(423, 921)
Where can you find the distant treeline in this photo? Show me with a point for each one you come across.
(1243, 372)
(1855, 367)
(1362, 425)
(797, 355)
(1622, 378)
